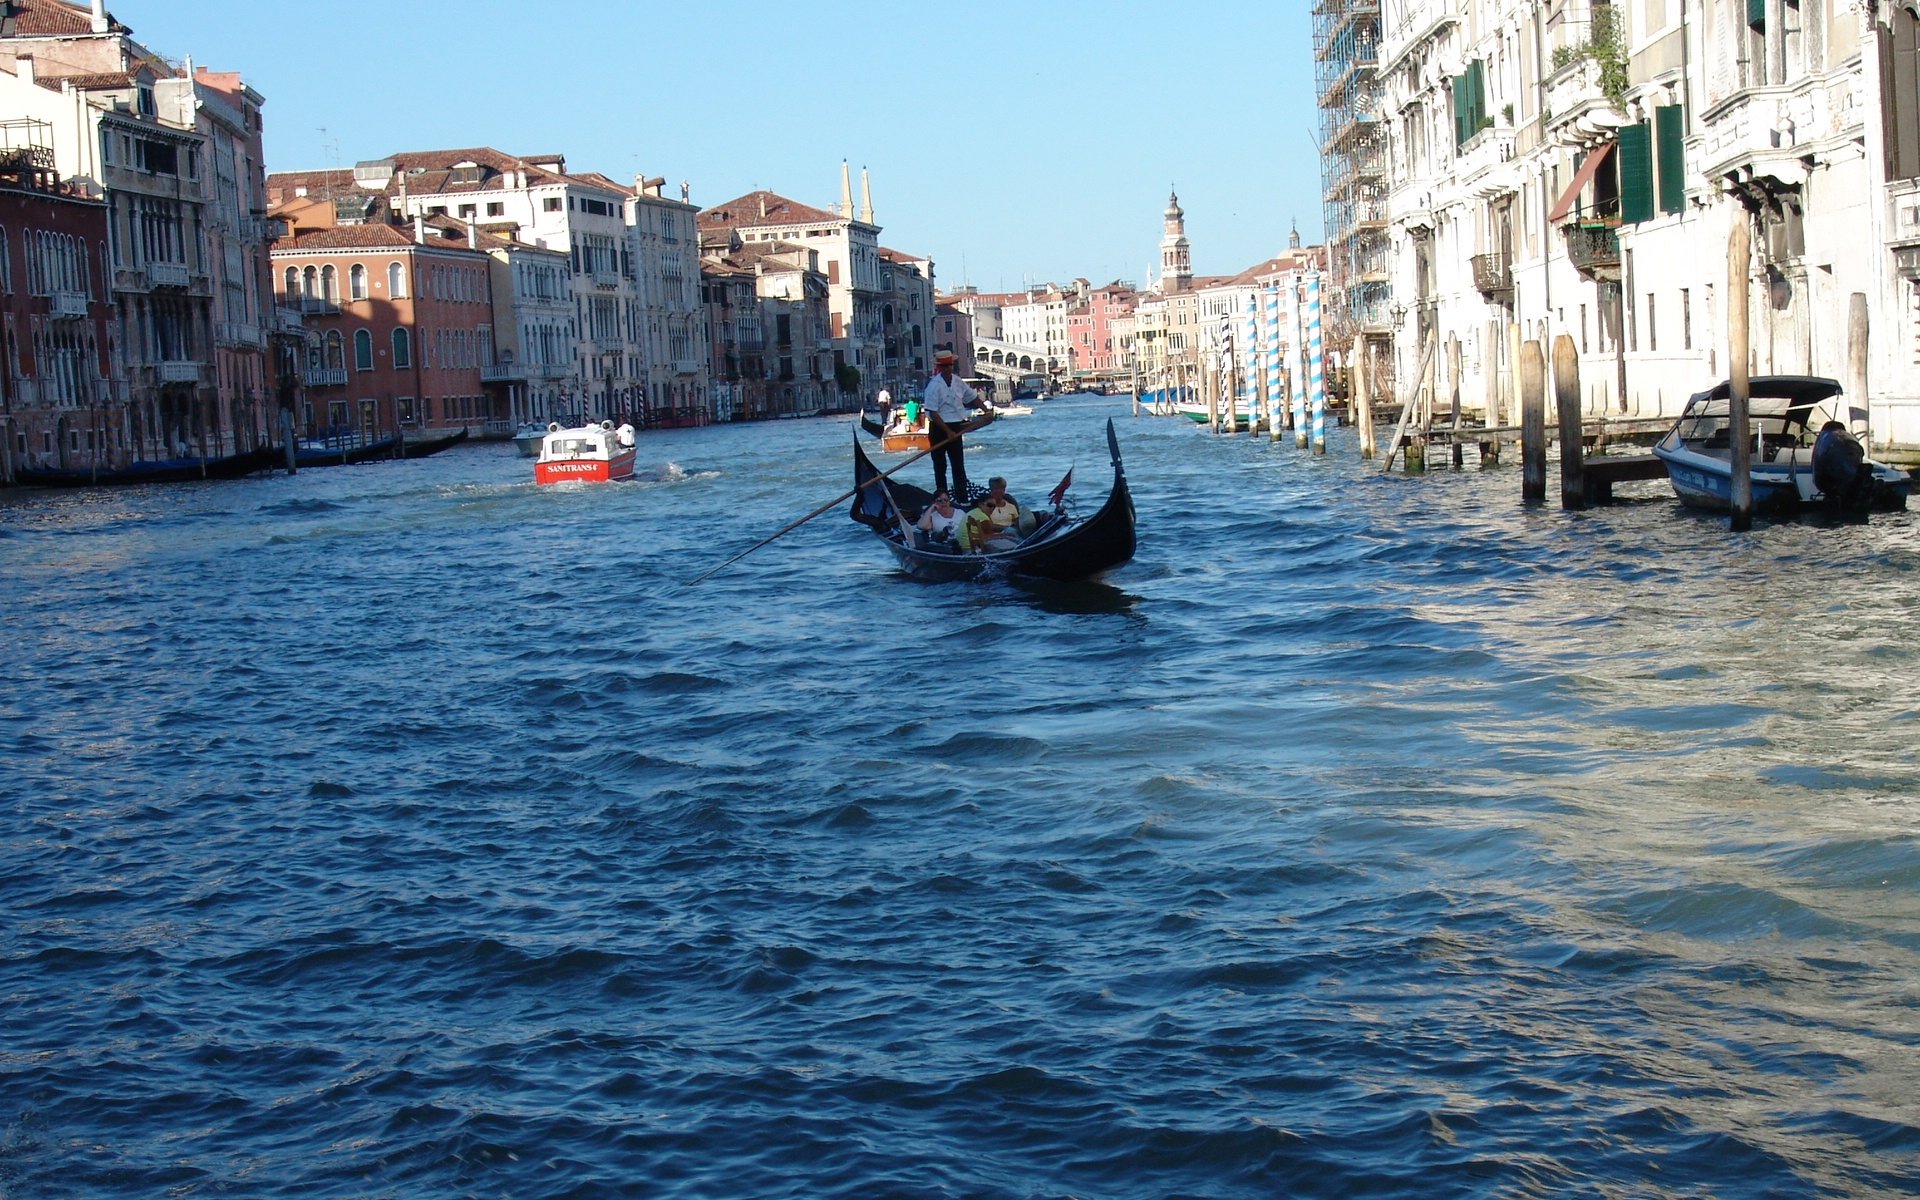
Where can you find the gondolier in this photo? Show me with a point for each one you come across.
(946, 400)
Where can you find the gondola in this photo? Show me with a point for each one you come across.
(170, 470)
(1061, 547)
(422, 447)
(336, 453)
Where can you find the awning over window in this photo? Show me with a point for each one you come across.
(1589, 167)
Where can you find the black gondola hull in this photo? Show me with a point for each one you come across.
(1073, 549)
(232, 466)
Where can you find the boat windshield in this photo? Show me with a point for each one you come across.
(1776, 419)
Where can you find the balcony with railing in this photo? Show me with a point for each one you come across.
(504, 371)
(324, 376)
(241, 334)
(605, 277)
(167, 274)
(1577, 110)
(1593, 247)
(63, 304)
(175, 371)
(1493, 274)
(319, 305)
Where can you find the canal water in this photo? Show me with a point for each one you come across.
(406, 830)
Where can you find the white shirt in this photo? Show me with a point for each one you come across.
(946, 400)
(884, 398)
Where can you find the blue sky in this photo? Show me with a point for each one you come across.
(1012, 142)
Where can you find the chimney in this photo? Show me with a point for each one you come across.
(420, 229)
(23, 66)
(99, 16)
(763, 206)
(473, 236)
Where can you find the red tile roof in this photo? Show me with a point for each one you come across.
(372, 237)
(54, 18)
(764, 208)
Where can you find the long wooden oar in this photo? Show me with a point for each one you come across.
(837, 499)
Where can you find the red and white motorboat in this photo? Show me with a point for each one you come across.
(589, 454)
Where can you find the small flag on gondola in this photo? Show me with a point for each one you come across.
(1058, 495)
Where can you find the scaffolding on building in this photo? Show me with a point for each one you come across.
(1353, 169)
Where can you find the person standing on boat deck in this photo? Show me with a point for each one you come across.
(884, 399)
(946, 401)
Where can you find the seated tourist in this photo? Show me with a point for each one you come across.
(994, 524)
(941, 522)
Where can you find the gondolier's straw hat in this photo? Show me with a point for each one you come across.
(945, 356)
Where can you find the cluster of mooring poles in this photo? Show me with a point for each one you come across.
(1246, 385)
(1280, 341)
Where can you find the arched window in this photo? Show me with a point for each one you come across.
(311, 277)
(396, 280)
(316, 356)
(293, 283)
(357, 282)
(336, 351)
(402, 348)
(362, 350)
(329, 284)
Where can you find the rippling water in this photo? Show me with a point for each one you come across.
(406, 830)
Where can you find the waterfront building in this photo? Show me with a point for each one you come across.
(245, 377)
(1167, 338)
(535, 199)
(398, 323)
(533, 336)
(59, 403)
(1357, 300)
(770, 318)
(953, 332)
(1038, 321)
(128, 126)
(735, 345)
(663, 233)
(849, 252)
(1092, 339)
(1577, 168)
(906, 320)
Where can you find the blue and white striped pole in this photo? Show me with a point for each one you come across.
(1250, 359)
(1275, 403)
(1316, 365)
(1297, 362)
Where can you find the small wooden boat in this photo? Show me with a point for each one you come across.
(585, 454)
(1060, 547)
(913, 441)
(1789, 461)
(170, 470)
(422, 447)
(894, 439)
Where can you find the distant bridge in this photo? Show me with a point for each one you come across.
(1006, 362)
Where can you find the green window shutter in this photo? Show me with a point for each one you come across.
(1636, 173)
(1669, 123)
(1459, 112)
(1477, 94)
(1757, 13)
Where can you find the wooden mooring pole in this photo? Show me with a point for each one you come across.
(1566, 394)
(1739, 434)
(1856, 414)
(1362, 403)
(1533, 423)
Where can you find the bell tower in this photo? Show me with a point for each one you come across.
(1176, 258)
